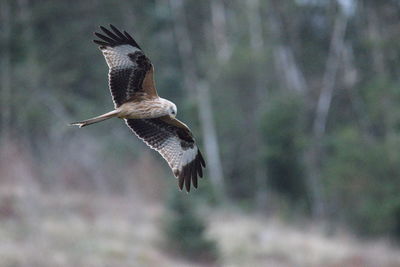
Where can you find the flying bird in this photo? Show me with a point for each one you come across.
(150, 117)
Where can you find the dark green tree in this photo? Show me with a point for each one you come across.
(185, 230)
(282, 133)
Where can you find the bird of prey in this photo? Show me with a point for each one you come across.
(150, 117)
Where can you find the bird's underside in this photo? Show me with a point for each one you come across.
(150, 117)
(143, 109)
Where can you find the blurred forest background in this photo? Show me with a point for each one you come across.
(295, 104)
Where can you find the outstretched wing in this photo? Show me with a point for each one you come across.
(131, 72)
(174, 141)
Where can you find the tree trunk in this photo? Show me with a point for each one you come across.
(218, 20)
(258, 100)
(284, 59)
(329, 78)
(255, 25)
(201, 89)
(5, 101)
(31, 66)
(321, 115)
(375, 37)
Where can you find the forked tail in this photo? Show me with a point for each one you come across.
(100, 118)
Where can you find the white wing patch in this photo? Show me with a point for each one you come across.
(176, 157)
(117, 57)
(183, 156)
(188, 156)
(171, 150)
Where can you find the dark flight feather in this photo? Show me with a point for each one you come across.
(164, 138)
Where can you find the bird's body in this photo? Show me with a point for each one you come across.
(136, 109)
(145, 109)
(151, 117)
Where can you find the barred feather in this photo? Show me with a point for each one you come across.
(175, 144)
(130, 71)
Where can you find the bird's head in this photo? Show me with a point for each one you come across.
(172, 110)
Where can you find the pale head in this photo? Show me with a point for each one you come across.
(169, 107)
(172, 110)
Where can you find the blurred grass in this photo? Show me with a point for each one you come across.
(97, 230)
(64, 226)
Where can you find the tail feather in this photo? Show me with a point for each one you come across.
(100, 118)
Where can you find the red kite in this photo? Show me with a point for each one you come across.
(149, 116)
